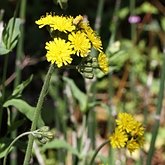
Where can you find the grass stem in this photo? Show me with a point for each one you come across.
(157, 115)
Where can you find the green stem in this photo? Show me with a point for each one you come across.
(18, 72)
(133, 26)
(4, 76)
(114, 23)
(92, 124)
(20, 44)
(99, 15)
(158, 112)
(113, 29)
(37, 113)
(12, 143)
(97, 150)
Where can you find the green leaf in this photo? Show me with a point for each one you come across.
(57, 144)
(123, 13)
(24, 108)
(79, 95)
(4, 143)
(146, 7)
(3, 50)
(10, 35)
(19, 89)
(163, 23)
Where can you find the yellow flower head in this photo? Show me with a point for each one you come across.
(95, 39)
(118, 139)
(130, 128)
(125, 122)
(140, 140)
(92, 36)
(61, 23)
(59, 51)
(43, 21)
(80, 43)
(103, 62)
(132, 145)
(138, 129)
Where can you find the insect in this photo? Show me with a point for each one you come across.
(78, 19)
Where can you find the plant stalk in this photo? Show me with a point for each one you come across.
(18, 72)
(37, 113)
(97, 150)
(12, 143)
(157, 115)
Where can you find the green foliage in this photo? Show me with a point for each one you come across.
(77, 94)
(4, 143)
(60, 144)
(146, 7)
(19, 89)
(10, 35)
(135, 52)
(24, 108)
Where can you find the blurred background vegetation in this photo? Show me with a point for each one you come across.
(135, 50)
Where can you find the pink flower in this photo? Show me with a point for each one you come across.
(133, 19)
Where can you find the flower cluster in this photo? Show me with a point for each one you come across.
(128, 133)
(72, 37)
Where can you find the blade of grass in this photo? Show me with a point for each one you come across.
(113, 30)
(19, 54)
(92, 123)
(157, 115)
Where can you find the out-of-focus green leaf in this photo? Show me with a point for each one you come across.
(10, 35)
(123, 12)
(146, 7)
(24, 108)
(153, 26)
(163, 23)
(57, 144)
(79, 95)
(18, 90)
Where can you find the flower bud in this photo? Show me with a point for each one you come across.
(88, 75)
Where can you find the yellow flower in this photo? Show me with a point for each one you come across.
(140, 140)
(132, 145)
(138, 129)
(80, 43)
(95, 39)
(118, 139)
(125, 122)
(130, 130)
(103, 62)
(92, 36)
(43, 21)
(61, 23)
(59, 52)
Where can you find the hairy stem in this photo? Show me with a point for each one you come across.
(37, 114)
